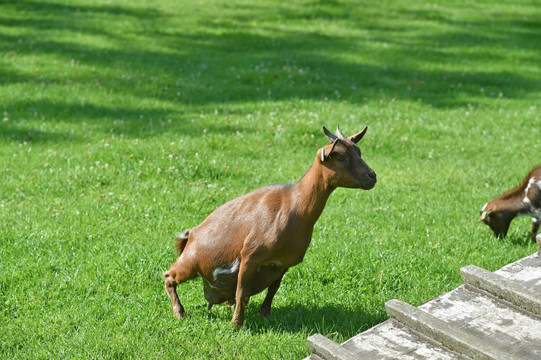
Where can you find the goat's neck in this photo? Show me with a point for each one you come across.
(312, 192)
(514, 204)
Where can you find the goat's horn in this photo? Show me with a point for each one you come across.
(340, 135)
(329, 134)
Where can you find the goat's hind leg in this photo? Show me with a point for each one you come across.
(273, 288)
(535, 226)
(177, 274)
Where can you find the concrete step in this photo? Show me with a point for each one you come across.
(506, 328)
(391, 340)
(492, 316)
(324, 348)
(526, 272)
(521, 294)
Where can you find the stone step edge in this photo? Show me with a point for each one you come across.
(329, 350)
(501, 287)
(450, 336)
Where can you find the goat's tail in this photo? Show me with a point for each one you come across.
(181, 240)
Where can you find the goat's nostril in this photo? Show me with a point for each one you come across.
(372, 175)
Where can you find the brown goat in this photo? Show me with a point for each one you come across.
(523, 200)
(247, 244)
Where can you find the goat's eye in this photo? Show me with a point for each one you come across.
(340, 158)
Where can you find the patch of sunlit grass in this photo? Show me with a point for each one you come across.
(122, 124)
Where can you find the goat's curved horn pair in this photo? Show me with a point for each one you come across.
(333, 137)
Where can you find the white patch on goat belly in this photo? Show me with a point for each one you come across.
(226, 271)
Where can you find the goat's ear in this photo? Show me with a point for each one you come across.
(326, 153)
(357, 137)
(483, 216)
(330, 135)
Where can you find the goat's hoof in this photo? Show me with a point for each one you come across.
(237, 323)
(179, 313)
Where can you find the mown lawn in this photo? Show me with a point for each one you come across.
(123, 123)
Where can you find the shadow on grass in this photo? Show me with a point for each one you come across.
(325, 319)
(226, 61)
(299, 317)
(131, 122)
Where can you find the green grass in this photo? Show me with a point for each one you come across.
(125, 122)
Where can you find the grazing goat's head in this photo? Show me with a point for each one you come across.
(343, 158)
(496, 217)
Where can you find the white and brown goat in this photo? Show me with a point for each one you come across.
(247, 244)
(523, 200)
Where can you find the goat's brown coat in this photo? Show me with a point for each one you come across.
(247, 244)
(522, 200)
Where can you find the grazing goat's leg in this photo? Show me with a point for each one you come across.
(535, 226)
(273, 288)
(242, 296)
(177, 274)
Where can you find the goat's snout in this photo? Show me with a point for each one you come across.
(372, 178)
(369, 180)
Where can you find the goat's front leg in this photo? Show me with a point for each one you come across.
(242, 296)
(273, 288)
(535, 226)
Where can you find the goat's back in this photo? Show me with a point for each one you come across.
(261, 215)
